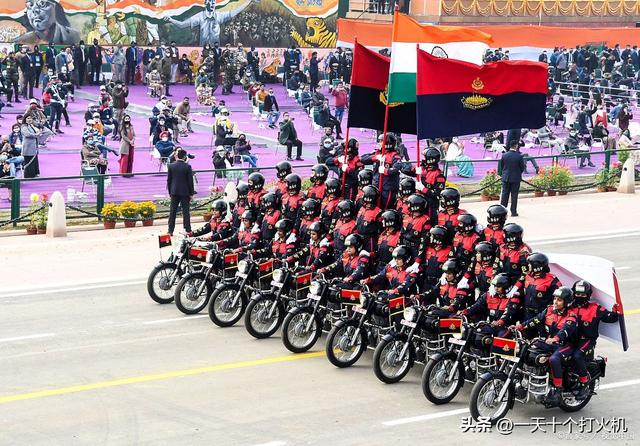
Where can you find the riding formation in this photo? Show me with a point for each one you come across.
(385, 259)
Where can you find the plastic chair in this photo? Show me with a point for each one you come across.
(88, 174)
(162, 161)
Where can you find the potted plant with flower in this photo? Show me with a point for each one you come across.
(490, 185)
(147, 210)
(130, 211)
(110, 213)
(540, 183)
(560, 178)
(614, 176)
(32, 227)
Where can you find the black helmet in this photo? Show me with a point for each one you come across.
(333, 186)
(450, 197)
(564, 293)
(311, 208)
(501, 280)
(352, 147)
(283, 169)
(346, 209)
(354, 240)
(582, 291)
(496, 214)
(466, 223)
(319, 173)
(243, 189)
(451, 266)
(219, 205)
(365, 178)
(487, 251)
(248, 215)
(407, 187)
(318, 227)
(391, 219)
(285, 225)
(390, 143)
(294, 183)
(538, 263)
(269, 200)
(417, 203)
(401, 252)
(438, 235)
(513, 233)
(431, 156)
(370, 194)
(256, 181)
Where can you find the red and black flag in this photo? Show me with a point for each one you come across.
(459, 98)
(367, 102)
(164, 240)
(504, 346)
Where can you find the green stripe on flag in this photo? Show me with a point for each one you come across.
(402, 87)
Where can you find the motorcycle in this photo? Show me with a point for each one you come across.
(265, 312)
(365, 327)
(466, 360)
(303, 325)
(194, 289)
(167, 273)
(422, 333)
(229, 299)
(524, 376)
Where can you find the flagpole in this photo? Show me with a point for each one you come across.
(346, 135)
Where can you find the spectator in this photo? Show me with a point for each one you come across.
(95, 59)
(314, 71)
(272, 109)
(183, 114)
(624, 117)
(10, 156)
(222, 161)
(601, 133)
(165, 146)
(30, 134)
(223, 127)
(15, 138)
(243, 149)
(160, 128)
(37, 63)
(181, 190)
(512, 168)
(131, 57)
(261, 95)
(127, 145)
(289, 137)
(92, 155)
(185, 67)
(165, 72)
(341, 100)
(325, 119)
(305, 99)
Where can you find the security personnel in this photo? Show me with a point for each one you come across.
(345, 226)
(292, 199)
(501, 310)
(387, 164)
(558, 324)
(319, 174)
(241, 205)
(389, 238)
(256, 191)
(247, 237)
(318, 252)
(435, 255)
(450, 203)
(368, 220)
(452, 299)
(415, 227)
(328, 213)
(430, 181)
(283, 244)
(496, 218)
(270, 215)
(218, 227)
(283, 168)
(513, 254)
(539, 285)
(465, 240)
(395, 278)
(407, 188)
(353, 263)
(350, 168)
(589, 315)
(310, 215)
(365, 178)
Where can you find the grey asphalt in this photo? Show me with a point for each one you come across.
(61, 340)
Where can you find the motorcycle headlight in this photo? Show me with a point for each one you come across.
(363, 300)
(314, 288)
(210, 255)
(243, 266)
(278, 275)
(409, 314)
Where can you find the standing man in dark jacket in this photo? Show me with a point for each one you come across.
(95, 58)
(272, 109)
(147, 56)
(50, 56)
(37, 62)
(131, 56)
(80, 58)
(512, 167)
(181, 190)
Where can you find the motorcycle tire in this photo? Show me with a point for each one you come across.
(219, 305)
(479, 393)
(156, 274)
(254, 317)
(436, 372)
(293, 329)
(336, 336)
(383, 353)
(572, 404)
(186, 300)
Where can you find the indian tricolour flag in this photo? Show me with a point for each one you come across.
(454, 42)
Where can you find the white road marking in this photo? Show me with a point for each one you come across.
(631, 382)
(581, 239)
(622, 268)
(632, 279)
(71, 289)
(24, 338)
(184, 318)
(272, 443)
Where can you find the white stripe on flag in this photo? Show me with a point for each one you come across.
(404, 59)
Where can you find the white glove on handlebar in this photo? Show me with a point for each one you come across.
(381, 169)
(344, 167)
(414, 268)
(291, 238)
(255, 229)
(443, 279)
(464, 283)
(419, 186)
(419, 170)
(492, 290)
(380, 158)
(512, 292)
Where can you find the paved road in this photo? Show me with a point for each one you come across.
(108, 366)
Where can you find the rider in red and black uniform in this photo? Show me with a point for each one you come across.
(450, 203)
(482, 268)
(292, 199)
(319, 174)
(387, 164)
(256, 192)
(349, 168)
(247, 237)
(430, 180)
(435, 255)
(368, 220)
(318, 252)
(310, 215)
(465, 240)
(283, 168)
(407, 188)
(495, 305)
(283, 244)
(415, 227)
(496, 218)
(389, 238)
(353, 264)
(345, 226)
(512, 256)
(365, 178)
(270, 215)
(539, 285)
(395, 278)
(241, 205)
(328, 213)
(452, 299)
(219, 227)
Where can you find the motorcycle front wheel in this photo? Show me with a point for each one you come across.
(222, 310)
(342, 348)
(188, 299)
(484, 401)
(257, 320)
(436, 384)
(388, 366)
(159, 284)
(295, 336)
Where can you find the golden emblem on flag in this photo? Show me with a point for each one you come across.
(452, 326)
(506, 348)
(383, 97)
(476, 101)
(477, 84)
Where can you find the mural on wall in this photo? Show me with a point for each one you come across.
(260, 23)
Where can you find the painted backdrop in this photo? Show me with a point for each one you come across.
(260, 23)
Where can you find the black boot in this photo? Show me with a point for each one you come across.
(553, 397)
(583, 392)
